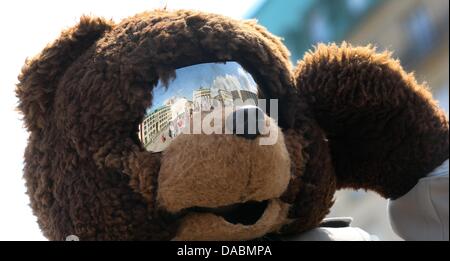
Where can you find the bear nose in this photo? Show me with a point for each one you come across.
(247, 121)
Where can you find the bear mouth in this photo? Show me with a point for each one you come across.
(247, 213)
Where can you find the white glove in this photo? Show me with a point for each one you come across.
(422, 214)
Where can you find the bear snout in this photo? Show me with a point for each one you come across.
(211, 171)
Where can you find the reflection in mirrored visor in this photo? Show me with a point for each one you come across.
(195, 92)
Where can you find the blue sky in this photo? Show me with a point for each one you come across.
(193, 77)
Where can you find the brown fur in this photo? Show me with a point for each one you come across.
(82, 98)
(207, 166)
(206, 226)
(385, 130)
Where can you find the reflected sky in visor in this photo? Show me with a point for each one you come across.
(200, 88)
(212, 76)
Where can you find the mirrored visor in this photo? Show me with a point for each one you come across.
(194, 90)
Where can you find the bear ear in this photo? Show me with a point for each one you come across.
(40, 75)
(385, 131)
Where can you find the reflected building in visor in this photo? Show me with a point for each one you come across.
(245, 96)
(181, 110)
(202, 99)
(224, 98)
(154, 123)
(196, 90)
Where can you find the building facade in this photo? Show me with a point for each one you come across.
(244, 96)
(224, 98)
(154, 123)
(202, 99)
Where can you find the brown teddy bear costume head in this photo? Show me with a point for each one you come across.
(348, 118)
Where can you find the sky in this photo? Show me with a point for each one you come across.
(207, 75)
(27, 26)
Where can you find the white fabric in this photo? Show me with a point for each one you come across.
(333, 234)
(422, 214)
